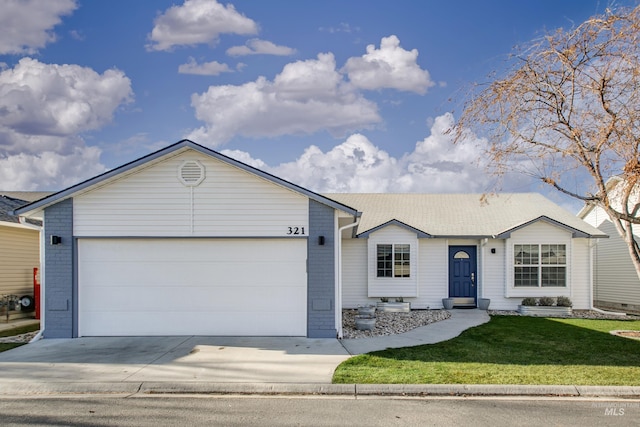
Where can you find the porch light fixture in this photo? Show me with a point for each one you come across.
(56, 240)
(493, 250)
(321, 240)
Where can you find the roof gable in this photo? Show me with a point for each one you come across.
(159, 155)
(574, 232)
(421, 234)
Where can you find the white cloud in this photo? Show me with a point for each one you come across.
(49, 170)
(51, 99)
(212, 68)
(25, 25)
(357, 165)
(43, 109)
(388, 67)
(196, 22)
(306, 97)
(260, 47)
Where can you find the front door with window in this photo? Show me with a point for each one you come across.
(462, 275)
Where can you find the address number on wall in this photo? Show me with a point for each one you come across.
(296, 231)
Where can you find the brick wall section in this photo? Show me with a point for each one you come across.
(58, 261)
(321, 272)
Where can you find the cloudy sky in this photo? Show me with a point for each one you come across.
(333, 95)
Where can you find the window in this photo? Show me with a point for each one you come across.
(394, 260)
(540, 265)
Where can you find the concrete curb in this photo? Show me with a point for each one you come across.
(354, 390)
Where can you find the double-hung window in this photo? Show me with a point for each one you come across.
(394, 260)
(540, 265)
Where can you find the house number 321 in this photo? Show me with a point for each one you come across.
(295, 231)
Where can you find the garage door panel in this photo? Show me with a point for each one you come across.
(173, 286)
(249, 323)
(117, 299)
(191, 273)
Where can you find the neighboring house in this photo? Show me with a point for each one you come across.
(187, 241)
(19, 248)
(616, 283)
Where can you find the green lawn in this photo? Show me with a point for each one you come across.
(16, 331)
(509, 350)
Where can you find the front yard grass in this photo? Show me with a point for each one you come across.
(509, 350)
(16, 331)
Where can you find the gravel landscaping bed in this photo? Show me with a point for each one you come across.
(22, 338)
(391, 323)
(577, 314)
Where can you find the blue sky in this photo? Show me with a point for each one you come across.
(332, 95)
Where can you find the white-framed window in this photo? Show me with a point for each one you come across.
(540, 265)
(393, 260)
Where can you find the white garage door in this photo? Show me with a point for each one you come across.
(243, 287)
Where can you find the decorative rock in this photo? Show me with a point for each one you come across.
(391, 323)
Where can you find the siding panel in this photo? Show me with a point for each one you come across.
(354, 273)
(230, 202)
(19, 254)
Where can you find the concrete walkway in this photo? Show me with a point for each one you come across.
(460, 320)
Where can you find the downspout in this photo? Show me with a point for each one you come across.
(591, 246)
(40, 333)
(338, 307)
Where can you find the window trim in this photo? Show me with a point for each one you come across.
(540, 265)
(398, 268)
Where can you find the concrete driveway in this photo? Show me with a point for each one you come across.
(173, 359)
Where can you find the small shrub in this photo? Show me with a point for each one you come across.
(564, 302)
(383, 299)
(546, 301)
(400, 299)
(529, 301)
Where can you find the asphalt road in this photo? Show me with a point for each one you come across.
(195, 410)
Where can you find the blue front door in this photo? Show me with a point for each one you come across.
(462, 275)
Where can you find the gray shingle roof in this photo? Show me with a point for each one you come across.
(460, 215)
(28, 196)
(7, 205)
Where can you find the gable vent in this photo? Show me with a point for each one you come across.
(191, 173)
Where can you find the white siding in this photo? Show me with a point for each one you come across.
(19, 254)
(580, 274)
(354, 273)
(493, 278)
(153, 202)
(577, 264)
(392, 286)
(433, 274)
(615, 277)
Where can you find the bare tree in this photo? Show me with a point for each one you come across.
(568, 113)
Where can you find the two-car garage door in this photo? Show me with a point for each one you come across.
(243, 287)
